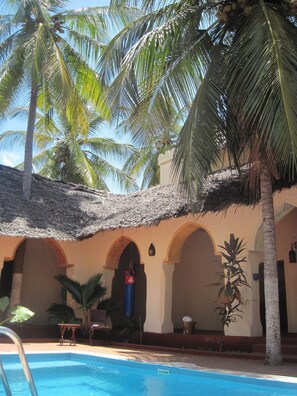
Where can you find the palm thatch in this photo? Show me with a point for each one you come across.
(66, 211)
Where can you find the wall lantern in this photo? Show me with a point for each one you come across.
(255, 276)
(151, 250)
(292, 253)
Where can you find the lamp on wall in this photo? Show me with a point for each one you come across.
(292, 253)
(151, 250)
(255, 276)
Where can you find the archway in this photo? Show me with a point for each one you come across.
(286, 235)
(34, 265)
(196, 270)
(129, 254)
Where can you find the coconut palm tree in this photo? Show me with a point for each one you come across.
(234, 64)
(152, 138)
(46, 52)
(144, 161)
(64, 153)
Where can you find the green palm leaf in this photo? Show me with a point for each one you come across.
(72, 286)
(21, 314)
(85, 294)
(268, 71)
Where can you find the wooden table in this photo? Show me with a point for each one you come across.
(64, 327)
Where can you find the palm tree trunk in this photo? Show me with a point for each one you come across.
(273, 340)
(27, 176)
(16, 286)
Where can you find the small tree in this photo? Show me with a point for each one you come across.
(232, 278)
(85, 294)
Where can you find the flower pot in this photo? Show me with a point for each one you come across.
(189, 327)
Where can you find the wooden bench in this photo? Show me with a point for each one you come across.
(99, 321)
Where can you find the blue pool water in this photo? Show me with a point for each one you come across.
(71, 374)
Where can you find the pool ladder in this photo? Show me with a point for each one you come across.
(17, 341)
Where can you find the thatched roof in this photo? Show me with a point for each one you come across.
(66, 211)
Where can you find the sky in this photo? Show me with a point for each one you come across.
(14, 155)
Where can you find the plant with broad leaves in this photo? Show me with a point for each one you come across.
(61, 313)
(17, 314)
(84, 294)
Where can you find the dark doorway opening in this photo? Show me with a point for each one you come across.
(6, 278)
(282, 297)
(130, 254)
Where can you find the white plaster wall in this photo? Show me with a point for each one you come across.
(165, 164)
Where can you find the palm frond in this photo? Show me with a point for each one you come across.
(60, 313)
(105, 169)
(11, 138)
(93, 290)
(72, 286)
(84, 294)
(11, 75)
(108, 147)
(265, 79)
(6, 26)
(86, 81)
(198, 146)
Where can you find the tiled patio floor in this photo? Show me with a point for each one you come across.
(239, 366)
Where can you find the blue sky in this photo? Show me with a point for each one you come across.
(87, 3)
(14, 155)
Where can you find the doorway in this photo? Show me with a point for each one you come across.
(129, 255)
(6, 278)
(282, 297)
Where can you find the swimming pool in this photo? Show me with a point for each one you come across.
(74, 374)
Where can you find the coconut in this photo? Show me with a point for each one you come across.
(228, 8)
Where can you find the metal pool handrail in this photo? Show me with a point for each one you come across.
(17, 341)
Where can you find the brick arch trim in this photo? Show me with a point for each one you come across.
(60, 255)
(115, 252)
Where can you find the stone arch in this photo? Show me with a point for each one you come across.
(12, 255)
(286, 234)
(60, 255)
(126, 253)
(196, 264)
(34, 265)
(177, 242)
(279, 215)
(115, 252)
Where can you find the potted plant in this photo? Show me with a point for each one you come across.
(232, 279)
(84, 294)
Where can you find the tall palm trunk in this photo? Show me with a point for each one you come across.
(27, 176)
(273, 339)
(17, 278)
